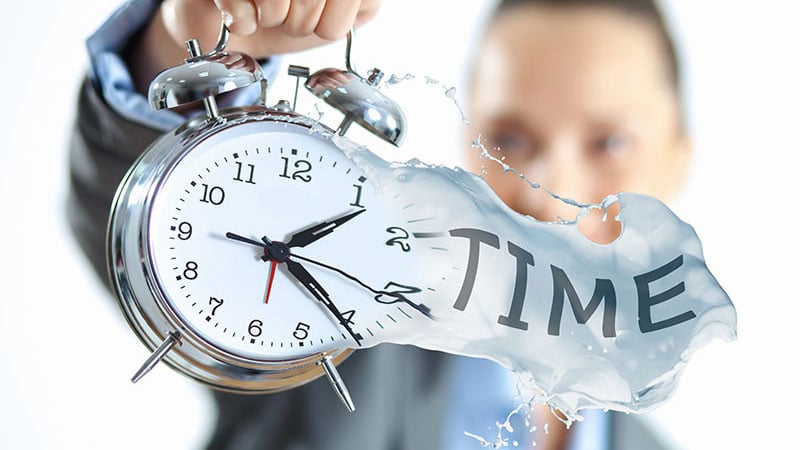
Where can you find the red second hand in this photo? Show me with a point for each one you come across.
(272, 267)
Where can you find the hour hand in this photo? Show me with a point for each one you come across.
(311, 284)
(311, 234)
(246, 240)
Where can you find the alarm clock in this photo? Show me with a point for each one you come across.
(241, 243)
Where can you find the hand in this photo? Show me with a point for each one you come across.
(326, 227)
(259, 28)
(312, 233)
(313, 286)
(277, 252)
(299, 239)
(395, 296)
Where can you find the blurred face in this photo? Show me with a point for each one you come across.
(579, 100)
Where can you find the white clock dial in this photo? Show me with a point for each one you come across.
(239, 194)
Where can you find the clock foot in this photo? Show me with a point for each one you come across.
(337, 383)
(161, 351)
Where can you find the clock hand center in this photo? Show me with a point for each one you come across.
(273, 250)
(279, 252)
(276, 251)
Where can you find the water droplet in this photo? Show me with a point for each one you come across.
(394, 79)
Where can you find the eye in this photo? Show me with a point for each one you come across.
(615, 144)
(509, 143)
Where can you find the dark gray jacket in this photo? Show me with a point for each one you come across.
(401, 392)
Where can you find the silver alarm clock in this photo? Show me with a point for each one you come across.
(241, 242)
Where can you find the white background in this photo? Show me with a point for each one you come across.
(66, 354)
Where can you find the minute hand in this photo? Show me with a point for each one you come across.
(311, 234)
(313, 286)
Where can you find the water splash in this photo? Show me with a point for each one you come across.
(584, 208)
(500, 440)
(395, 79)
(449, 91)
(319, 112)
(477, 144)
(528, 293)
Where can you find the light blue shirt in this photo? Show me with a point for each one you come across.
(111, 75)
(482, 392)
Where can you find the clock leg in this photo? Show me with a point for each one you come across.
(337, 383)
(155, 358)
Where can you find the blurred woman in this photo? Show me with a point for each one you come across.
(581, 96)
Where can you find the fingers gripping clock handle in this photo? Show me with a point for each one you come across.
(316, 290)
(225, 32)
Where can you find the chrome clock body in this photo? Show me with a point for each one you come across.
(140, 289)
(212, 211)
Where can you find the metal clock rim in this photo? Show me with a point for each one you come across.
(196, 357)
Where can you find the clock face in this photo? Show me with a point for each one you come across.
(269, 244)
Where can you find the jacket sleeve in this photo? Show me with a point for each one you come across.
(102, 147)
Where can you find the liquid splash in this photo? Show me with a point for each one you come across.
(720, 318)
(527, 294)
(449, 91)
(534, 291)
(584, 208)
(500, 440)
(583, 325)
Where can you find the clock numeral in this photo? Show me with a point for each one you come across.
(255, 328)
(250, 172)
(214, 195)
(301, 166)
(348, 316)
(301, 331)
(190, 272)
(184, 231)
(215, 303)
(357, 202)
(399, 240)
(398, 290)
